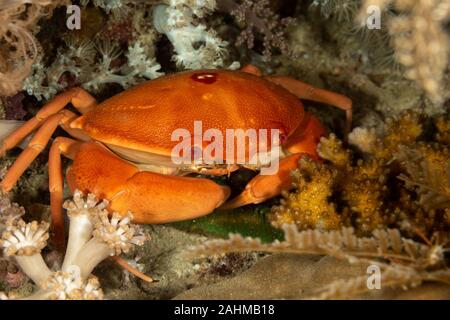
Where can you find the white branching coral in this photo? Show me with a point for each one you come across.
(139, 67)
(196, 46)
(107, 5)
(141, 64)
(79, 59)
(93, 237)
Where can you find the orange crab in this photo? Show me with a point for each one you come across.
(122, 146)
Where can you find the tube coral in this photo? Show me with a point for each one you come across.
(93, 237)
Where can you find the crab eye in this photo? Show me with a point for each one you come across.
(205, 77)
(282, 132)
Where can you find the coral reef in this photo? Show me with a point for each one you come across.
(420, 42)
(368, 189)
(93, 237)
(411, 34)
(95, 63)
(19, 48)
(176, 21)
(309, 206)
(404, 262)
(258, 19)
(394, 175)
(122, 50)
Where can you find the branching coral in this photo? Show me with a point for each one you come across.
(197, 47)
(176, 21)
(399, 177)
(93, 65)
(403, 262)
(309, 206)
(404, 129)
(428, 173)
(93, 237)
(107, 5)
(258, 19)
(361, 188)
(95, 60)
(139, 66)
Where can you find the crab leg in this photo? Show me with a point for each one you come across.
(68, 147)
(126, 266)
(34, 147)
(308, 92)
(80, 99)
(249, 68)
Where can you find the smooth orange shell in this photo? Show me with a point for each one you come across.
(144, 117)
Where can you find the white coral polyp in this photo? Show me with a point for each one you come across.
(93, 237)
(84, 206)
(25, 238)
(363, 138)
(117, 233)
(69, 286)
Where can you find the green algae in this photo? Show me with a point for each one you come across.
(249, 221)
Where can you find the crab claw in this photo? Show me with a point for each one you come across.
(152, 197)
(263, 187)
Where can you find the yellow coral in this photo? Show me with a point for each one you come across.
(400, 178)
(428, 173)
(401, 130)
(332, 150)
(309, 206)
(363, 188)
(443, 127)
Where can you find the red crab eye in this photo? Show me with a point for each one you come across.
(205, 77)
